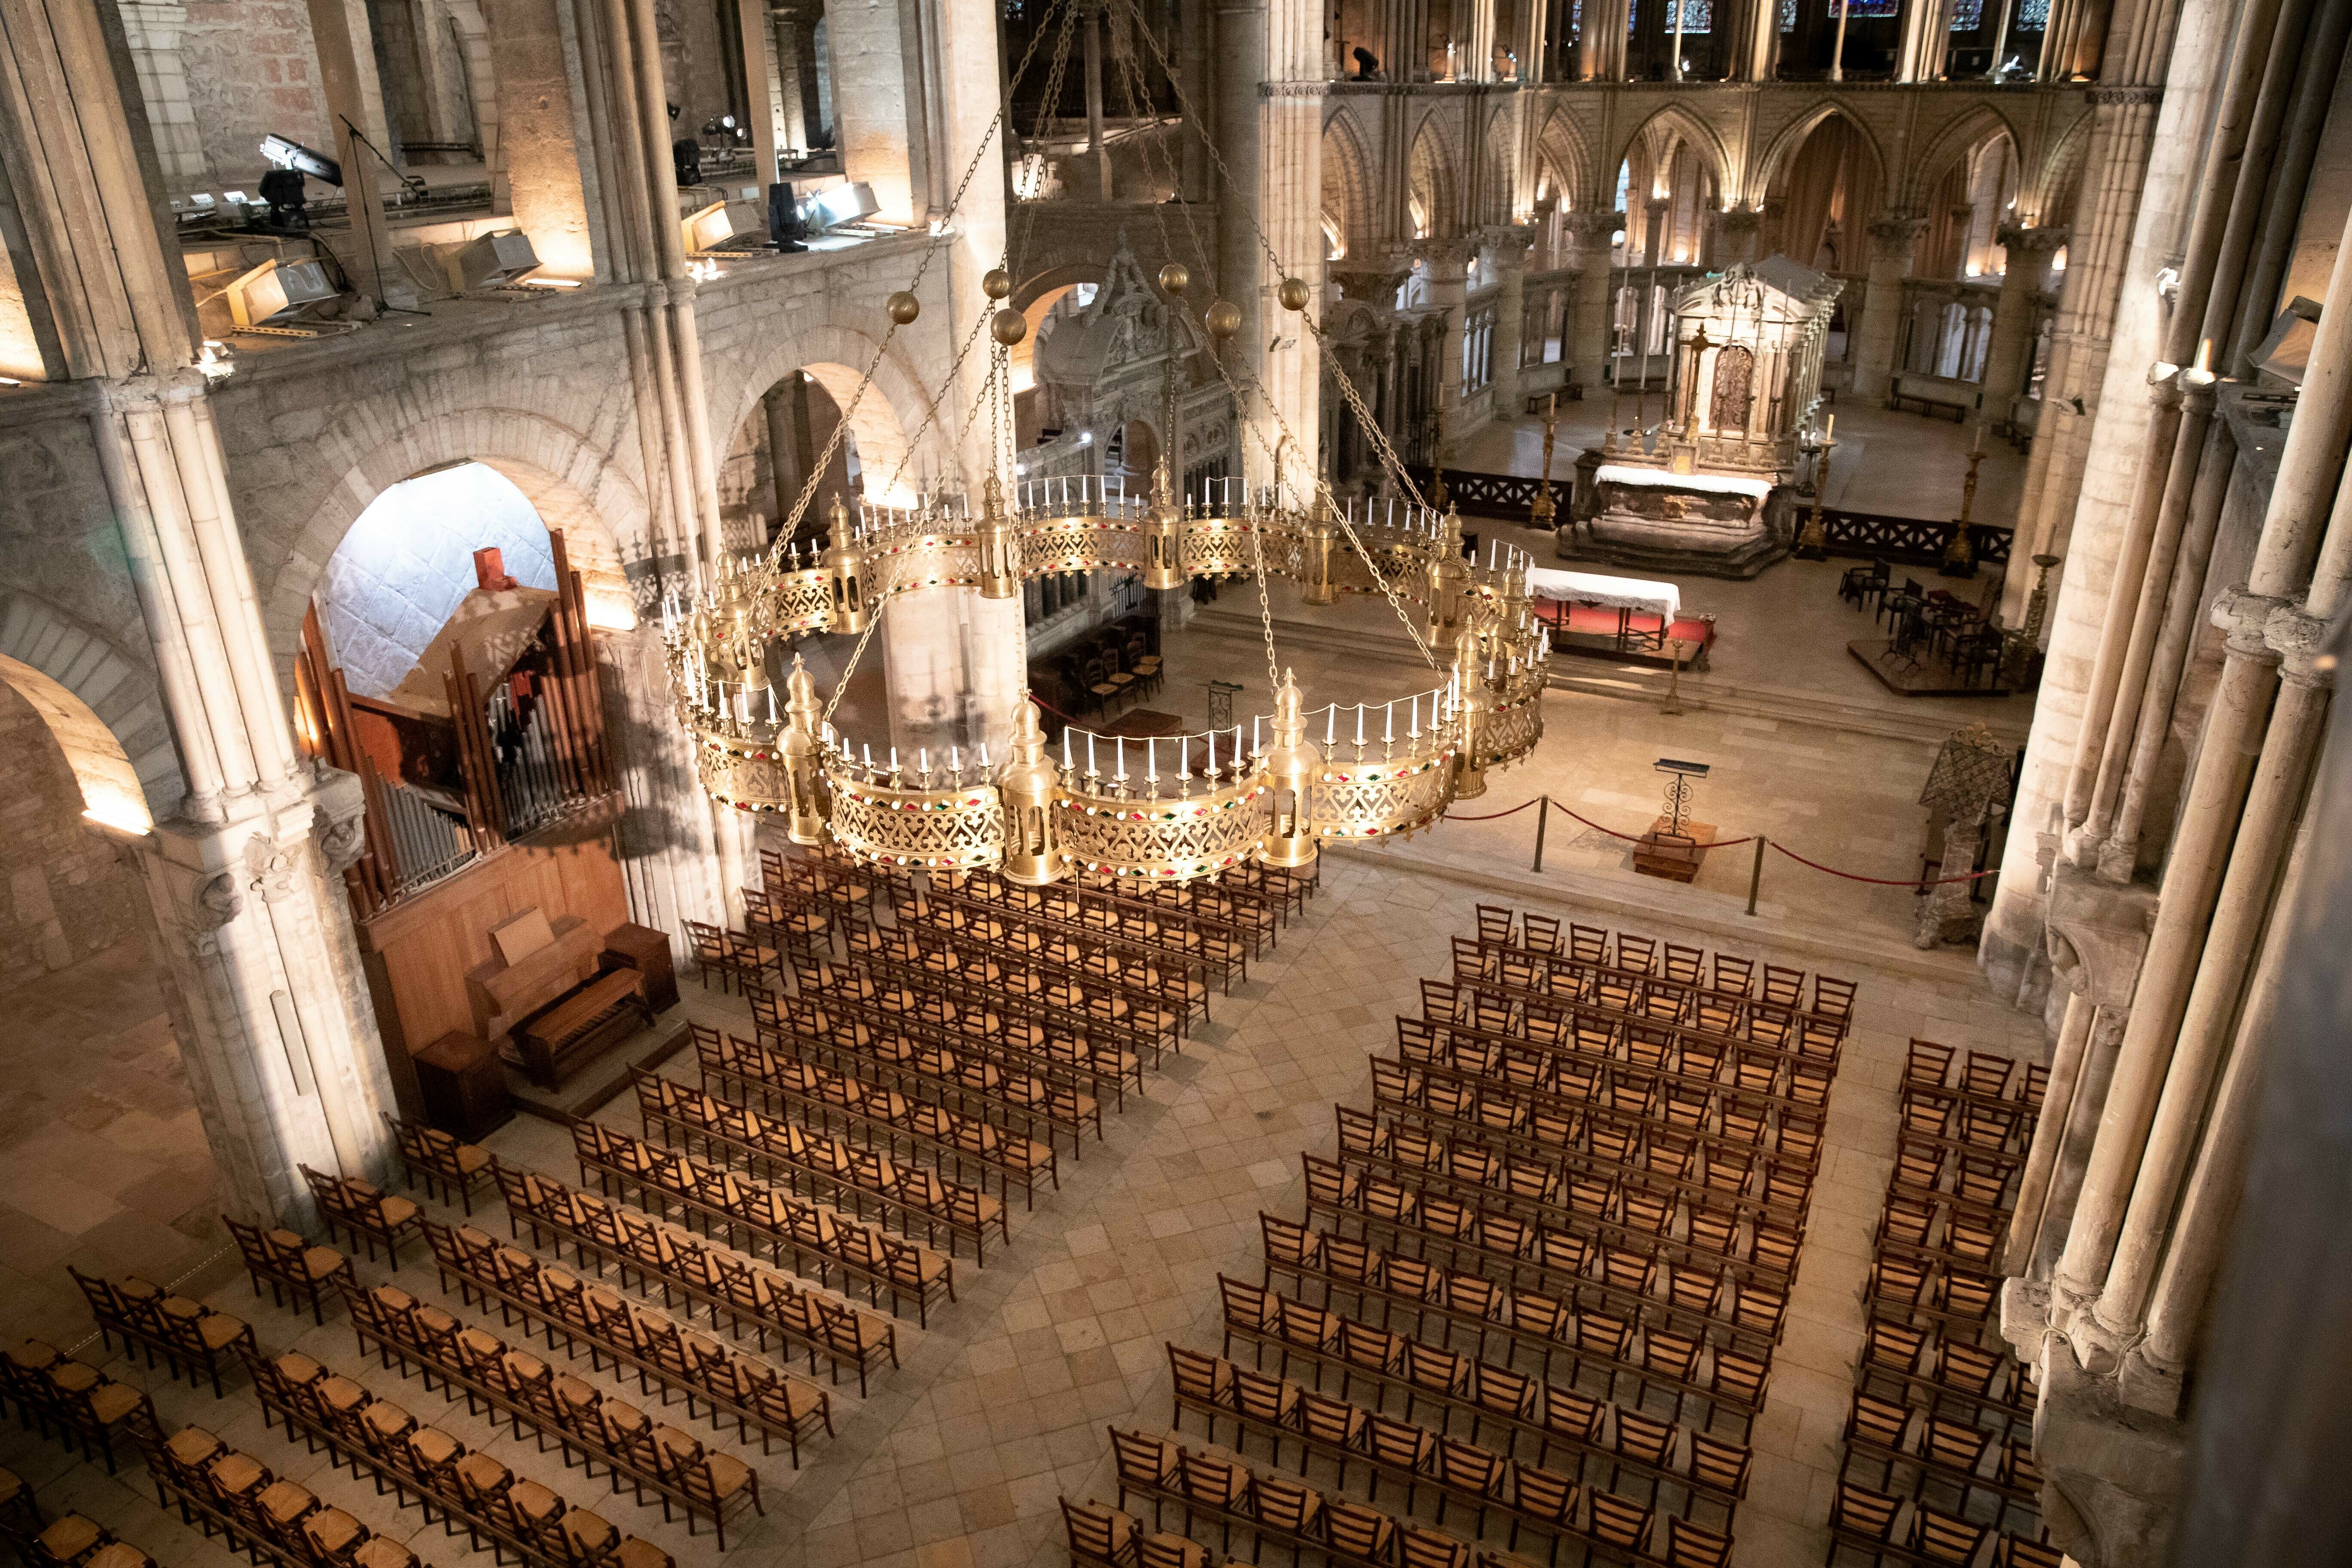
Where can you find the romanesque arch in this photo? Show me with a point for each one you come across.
(578, 489)
(893, 404)
(100, 705)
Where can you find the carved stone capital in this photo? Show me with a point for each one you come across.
(2301, 643)
(2096, 932)
(1894, 238)
(2245, 618)
(1588, 226)
(2041, 240)
(1739, 221)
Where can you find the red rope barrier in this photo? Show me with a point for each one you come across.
(1884, 882)
(1493, 815)
(1636, 839)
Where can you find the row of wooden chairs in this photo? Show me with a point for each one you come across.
(1685, 1470)
(1722, 1385)
(1131, 933)
(1668, 1164)
(800, 1236)
(849, 1031)
(1758, 1088)
(1478, 1309)
(71, 1540)
(1064, 1031)
(71, 1401)
(287, 1262)
(1686, 1297)
(469, 1490)
(966, 1148)
(737, 1292)
(1565, 1052)
(1938, 1456)
(1414, 1456)
(1630, 953)
(735, 958)
(750, 1394)
(1908, 1451)
(1275, 1508)
(1161, 992)
(1525, 1252)
(1099, 1536)
(588, 1427)
(1558, 1016)
(1653, 998)
(1564, 1121)
(1095, 985)
(351, 1204)
(446, 1169)
(1019, 1106)
(1226, 924)
(856, 1178)
(220, 1491)
(191, 1336)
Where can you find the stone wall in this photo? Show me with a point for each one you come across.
(63, 894)
(251, 71)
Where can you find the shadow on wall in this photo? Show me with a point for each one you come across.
(406, 565)
(64, 895)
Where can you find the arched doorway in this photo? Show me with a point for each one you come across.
(790, 434)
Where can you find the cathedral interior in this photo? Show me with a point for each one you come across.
(1594, 733)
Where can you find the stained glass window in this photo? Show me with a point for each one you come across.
(1967, 16)
(1699, 17)
(1872, 8)
(1788, 15)
(2033, 15)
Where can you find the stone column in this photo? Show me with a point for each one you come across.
(759, 88)
(1507, 253)
(866, 50)
(1270, 124)
(1447, 267)
(366, 256)
(1737, 231)
(2007, 361)
(1892, 242)
(791, 114)
(153, 28)
(1590, 331)
(551, 170)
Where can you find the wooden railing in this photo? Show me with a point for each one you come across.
(1508, 497)
(1912, 540)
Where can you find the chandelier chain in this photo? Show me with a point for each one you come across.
(1130, 81)
(931, 253)
(1264, 609)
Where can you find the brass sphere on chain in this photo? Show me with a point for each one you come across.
(1223, 318)
(1175, 278)
(1008, 327)
(1292, 293)
(904, 308)
(997, 284)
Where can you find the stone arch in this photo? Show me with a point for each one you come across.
(1430, 176)
(2048, 190)
(1497, 198)
(1959, 136)
(578, 490)
(1053, 280)
(100, 705)
(1347, 177)
(1675, 124)
(1562, 145)
(829, 349)
(1783, 149)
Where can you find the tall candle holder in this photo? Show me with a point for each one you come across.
(1960, 554)
(1813, 538)
(1540, 515)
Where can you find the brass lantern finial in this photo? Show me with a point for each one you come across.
(1029, 788)
(802, 752)
(1291, 768)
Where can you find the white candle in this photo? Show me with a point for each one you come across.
(1388, 724)
(1360, 723)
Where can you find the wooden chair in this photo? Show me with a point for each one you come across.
(351, 1205)
(1105, 1537)
(440, 1162)
(289, 1265)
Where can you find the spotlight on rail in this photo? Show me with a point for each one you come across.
(284, 152)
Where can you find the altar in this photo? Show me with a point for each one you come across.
(1705, 489)
(1620, 616)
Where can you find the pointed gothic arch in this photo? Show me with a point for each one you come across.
(1347, 181)
(1431, 182)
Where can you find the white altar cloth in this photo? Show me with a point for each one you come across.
(1659, 478)
(1610, 592)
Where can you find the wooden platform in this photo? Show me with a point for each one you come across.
(1657, 856)
(1929, 676)
(600, 1081)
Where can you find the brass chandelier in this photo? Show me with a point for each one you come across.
(1170, 808)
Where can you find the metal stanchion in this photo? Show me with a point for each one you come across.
(1755, 874)
(1543, 819)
